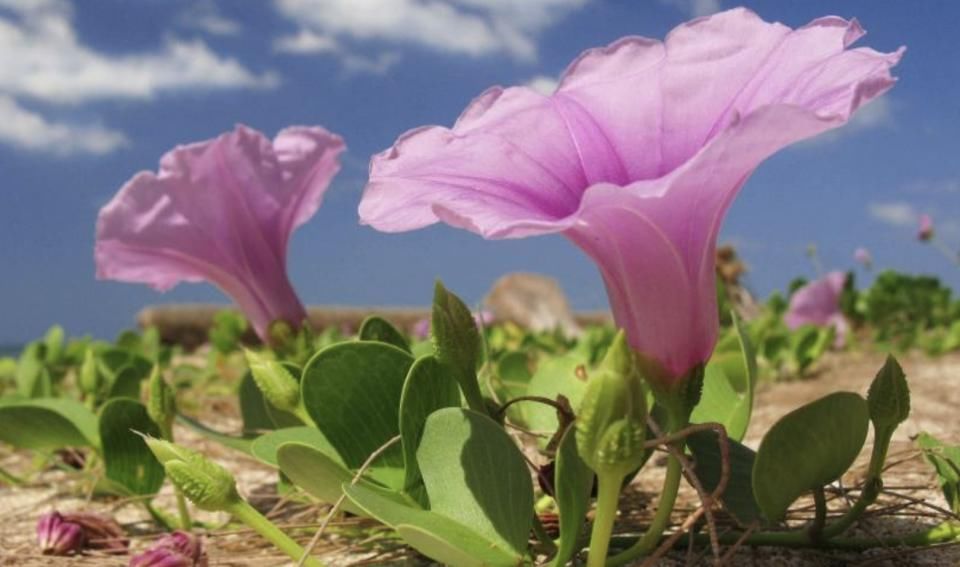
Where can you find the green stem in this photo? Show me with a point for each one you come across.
(302, 415)
(650, 540)
(185, 522)
(159, 517)
(945, 532)
(608, 497)
(247, 514)
(9, 478)
(815, 531)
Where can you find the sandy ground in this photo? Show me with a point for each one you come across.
(349, 541)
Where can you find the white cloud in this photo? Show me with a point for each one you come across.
(206, 17)
(379, 65)
(467, 27)
(895, 213)
(543, 84)
(695, 8)
(306, 42)
(42, 60)
(28, 130)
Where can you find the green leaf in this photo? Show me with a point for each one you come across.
(458, 343)
(557, 376)
(426, 389)
(319, 473)
(126, 383)
(475, 475)
(808, 448)
(265, 447)
(47, 423)
(889, 396)
(737, 498)
(573, 482)
(479, 488)
(946, 461)
(127, 459)
(352, 392)
(33, 381)
(433, 535)
(241, 444)
(112, 360)
(728, 388)
(54, 344)
(376, 328)
(511, 380)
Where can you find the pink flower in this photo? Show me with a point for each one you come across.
(818, 303)
(635, 158)
(179, 549)
(863, 257)
(221, 211)
(925, 231)
(57, 536)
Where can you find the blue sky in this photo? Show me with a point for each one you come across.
(92, 92)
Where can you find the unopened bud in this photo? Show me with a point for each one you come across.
(611, 423)
(279, 387)
(207, 484)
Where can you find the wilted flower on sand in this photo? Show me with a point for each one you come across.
(179, 549)
(863, 257)
(925, 230)
(221, 211)
(56, 536)
(818, 303)
(635, 158)
(72, 532)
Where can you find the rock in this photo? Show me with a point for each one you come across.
(532, 301)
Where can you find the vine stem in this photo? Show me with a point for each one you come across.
(247, 514)
(608, 498)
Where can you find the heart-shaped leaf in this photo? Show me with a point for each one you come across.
(127, 459)
(475, 475)
(376, 328)
(427, 389)
(480, 494)
(737, 498)
(126, 383)
(265, 447)
(808, 448)
(47, 423)
(319, 473)
(352, 392)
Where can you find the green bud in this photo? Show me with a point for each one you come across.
(162, 402)
(279, 387)
(889, 396)
(611, 423)
(207, 484)
(90, 379)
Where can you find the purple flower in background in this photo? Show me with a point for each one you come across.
(818, 303)
(221, 211)
(421, 329)
(863, 257)
(179, 549)
(635, 158)
(925, 230)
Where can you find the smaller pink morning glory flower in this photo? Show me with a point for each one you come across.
(818, 303)
(221, 211)
(863, 257)
(925, 230)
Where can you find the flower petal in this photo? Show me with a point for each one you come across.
(509, 158)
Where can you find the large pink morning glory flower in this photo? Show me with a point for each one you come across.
(221, 211)
(818, 303)
(635, 158)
